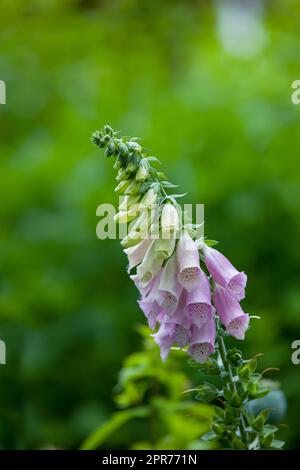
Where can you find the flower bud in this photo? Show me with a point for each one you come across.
(134, 146)
(108, 130)
(127, 201)
(139, 230)
(122, 186)
(117, 164)
(142, 173)
(165, 247)
(122, 217)
(169, 219)
(131, 164)
(132, 239)
(123, 149)
(133, 188)
(111, 149)
(149, 199)
(97, 139)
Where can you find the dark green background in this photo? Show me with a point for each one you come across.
(225, 129)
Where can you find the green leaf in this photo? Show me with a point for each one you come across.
(210, 367)
(247, 369)
(153, 159)
(235, 356)
(144, 186)
(258, 422)
(177, 196)
(218, 429)
(111, 150)
(168, 184)
(206, 392)
(209, 436)
(267, 440)
(117, 420)
(277, 444)
(219, 411)
(228, 417)
(227, 394)
(268, 429)
(262, 392)
(238, 444)
(210, 242)
(161, 175)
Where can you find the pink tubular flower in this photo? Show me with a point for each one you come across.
(137, 252)
(182, 323)
(151, 310)
(145, 288)
(149, 304)
(202, 342)
(188, 262)
(224, 273)
(169, 288)
(165, 338)
(150, 266)
(231, 313)
(174, 329)
(198, 303)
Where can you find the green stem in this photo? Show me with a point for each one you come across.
(226, 366)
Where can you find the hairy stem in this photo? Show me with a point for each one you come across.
(226, 366)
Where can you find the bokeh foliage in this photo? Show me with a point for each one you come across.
(225, 130)
(156, 394)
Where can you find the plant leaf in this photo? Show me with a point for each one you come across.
(117, 420)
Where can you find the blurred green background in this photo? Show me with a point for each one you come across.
(207, 85)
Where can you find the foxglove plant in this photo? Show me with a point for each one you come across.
(190, 294)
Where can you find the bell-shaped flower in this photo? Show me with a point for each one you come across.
(169, 220)
(165, 338)
(142, 173)
(172, 331)
(137, 253)
(202, 342)
(198, 303)
(189, 274)
(166, 246)
(150, 266)
(169, 288)
(231, 313)
(182, 324)
(148, 303)
(149, 199)
(133, 188)
(151, 310)
(146, 288)
(138, 230)
(224, 273)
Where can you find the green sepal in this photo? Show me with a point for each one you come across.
(238, 444)
(209, 436)
(277, 444)
(206, 392)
